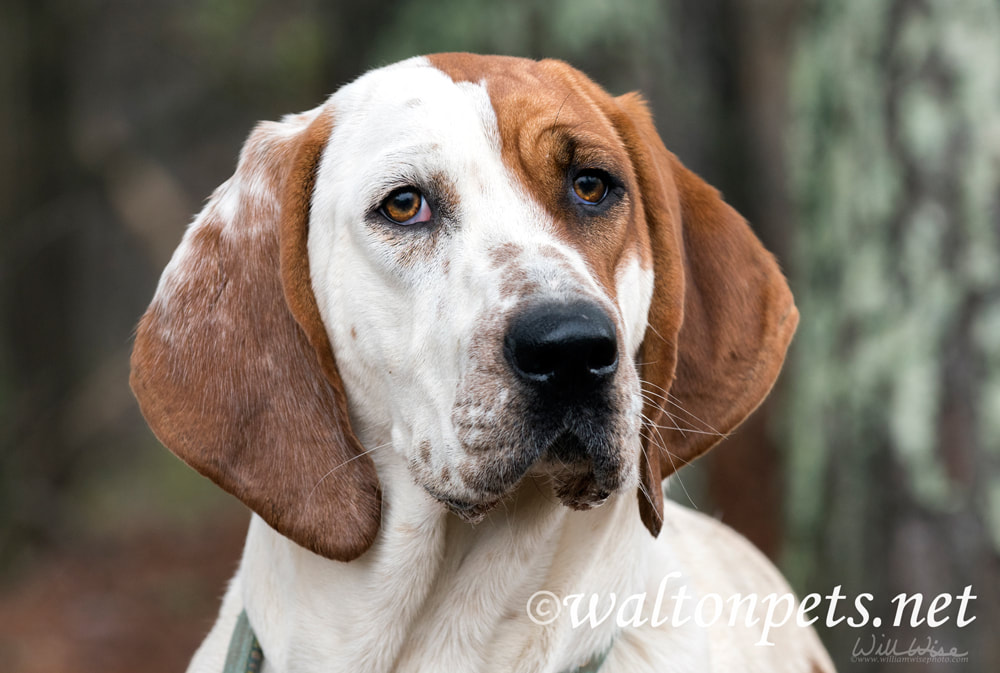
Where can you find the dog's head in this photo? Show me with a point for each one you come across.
(489, 257)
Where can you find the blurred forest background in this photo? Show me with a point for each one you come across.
(861, 139)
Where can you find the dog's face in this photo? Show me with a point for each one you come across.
(491, 258)
(489, 311)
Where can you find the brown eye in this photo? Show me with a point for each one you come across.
(590, 187)
(406, 206)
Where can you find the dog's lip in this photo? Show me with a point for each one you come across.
(459, 505)
(470, 512)
(581, 487)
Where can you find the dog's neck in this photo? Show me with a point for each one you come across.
(436, 589)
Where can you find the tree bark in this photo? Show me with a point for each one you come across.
(893, 421)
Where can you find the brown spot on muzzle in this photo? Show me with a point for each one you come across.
(504, 254)
(517, 283)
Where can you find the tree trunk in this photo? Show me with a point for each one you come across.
(893, 422)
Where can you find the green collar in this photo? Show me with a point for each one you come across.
(245, 655)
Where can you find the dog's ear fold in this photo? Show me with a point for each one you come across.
(721, 316)
(232, 365)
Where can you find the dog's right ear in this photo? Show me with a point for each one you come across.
(721, 316)
(232, 365)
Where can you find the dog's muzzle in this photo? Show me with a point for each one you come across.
(565, 355)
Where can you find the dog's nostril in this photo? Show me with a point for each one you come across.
(603, 354)
(570, 346)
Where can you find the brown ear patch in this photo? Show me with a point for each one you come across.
(229, 380)
(721, 319)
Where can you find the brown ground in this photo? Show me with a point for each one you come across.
(141, 602)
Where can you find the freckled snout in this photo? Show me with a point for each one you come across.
(563, 350)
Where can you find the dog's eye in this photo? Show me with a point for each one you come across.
(591, 186)
(406, 205)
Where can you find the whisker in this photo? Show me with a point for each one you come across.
(559, 111)
(675, 427)
(676, 420)
(655, 331)
(642, 487)
(663, 445)
(671, 456)
(678, 405)
(349, 460)
(673, 400)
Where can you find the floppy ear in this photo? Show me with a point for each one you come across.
(232, 365)
(721, 316)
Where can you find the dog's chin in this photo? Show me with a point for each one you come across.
(469, 512)
(581, 493)
(576, 490)
(578, 493)
(563, 467)
(575, 481)
(577, 487)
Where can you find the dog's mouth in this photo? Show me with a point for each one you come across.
(470, 512)
(582, 475)
(466, 510)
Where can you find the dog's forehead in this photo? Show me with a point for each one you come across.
(515, 106)
(414, 106)
(501, 134)
(543, 108)
(527, 93)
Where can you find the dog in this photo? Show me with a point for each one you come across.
(446, 335)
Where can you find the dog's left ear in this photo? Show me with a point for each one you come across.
(721, 316)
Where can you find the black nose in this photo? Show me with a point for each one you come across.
(568, 348)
